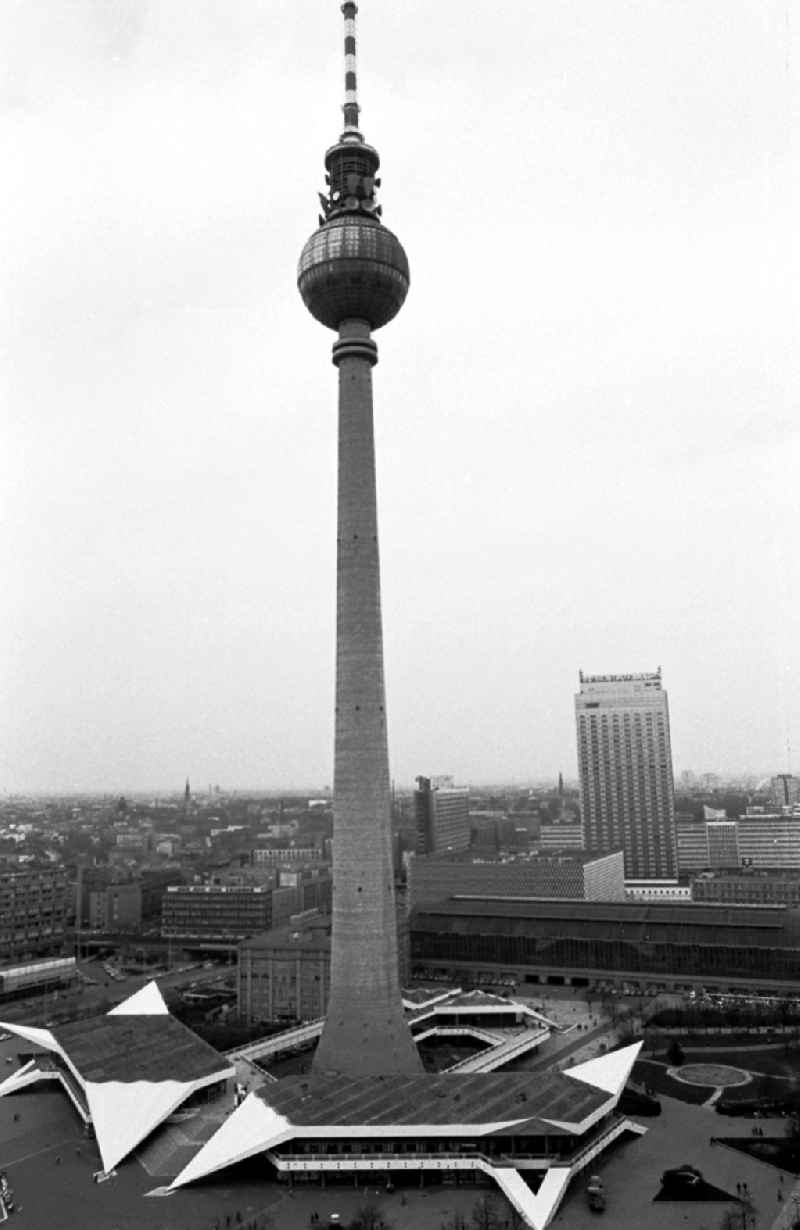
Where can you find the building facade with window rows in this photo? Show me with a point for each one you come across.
(669, 945)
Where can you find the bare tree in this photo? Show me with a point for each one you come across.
(485, 1215)
(369, 1217)
(456, 1221)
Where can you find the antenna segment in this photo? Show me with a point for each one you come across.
(351, 108)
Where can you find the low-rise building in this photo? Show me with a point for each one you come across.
(215, 912)
(284, 975)
(118, 907)
(753, 886)
(34, 906)
(670, 946)
(560, 837)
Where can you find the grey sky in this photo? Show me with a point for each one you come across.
(586, 413)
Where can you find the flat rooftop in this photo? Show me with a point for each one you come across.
(631, 918)
(401, 1101)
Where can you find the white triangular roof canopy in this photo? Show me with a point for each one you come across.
(41, 1037)
(607, 1072)
(537, 1208)
(125, 1112)
(253, 1127)
(147, 1001)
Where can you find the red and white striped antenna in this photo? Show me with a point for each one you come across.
(351, 108)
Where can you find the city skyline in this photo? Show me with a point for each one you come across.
(585, 435)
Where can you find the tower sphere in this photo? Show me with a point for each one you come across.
(353, 268)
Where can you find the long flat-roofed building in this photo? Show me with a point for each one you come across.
(751, 885)
(668, 945)
(215, 912)
(757, 839)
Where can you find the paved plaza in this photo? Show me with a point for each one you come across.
(681, 1133)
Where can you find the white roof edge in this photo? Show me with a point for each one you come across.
(536, 1208)
(147, 1001)
(41, 1037)
(124, 1113)
(253, 1127)
(607, 1072)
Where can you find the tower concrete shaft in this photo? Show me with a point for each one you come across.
(365, 1029)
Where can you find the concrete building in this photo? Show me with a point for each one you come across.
(582, 876)
(118, 907)
(37, 978)
(287, 854)
(560, 837)
(785, 790)
(215, 912)
(671, 946)
(284, 974)
(767, 839)
(722, 837)
(657, 890)
(625, 766)
(34, 906)
(750, 886)
(441, 815)
(692, 844)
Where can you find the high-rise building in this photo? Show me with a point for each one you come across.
(625, 766)
(353, 277)
(785, 789)
(442, 816)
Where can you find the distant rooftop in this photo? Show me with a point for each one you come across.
(651, 677)
(312, 935)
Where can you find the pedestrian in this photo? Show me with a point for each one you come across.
(738, 1189)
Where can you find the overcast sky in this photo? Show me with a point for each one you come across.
(586, 413)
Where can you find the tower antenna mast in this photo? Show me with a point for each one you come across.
(351, 108)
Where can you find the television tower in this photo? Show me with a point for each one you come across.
(353, 277)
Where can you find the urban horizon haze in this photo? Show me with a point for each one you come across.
(586, 423)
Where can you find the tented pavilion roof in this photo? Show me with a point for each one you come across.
(126, 1072)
